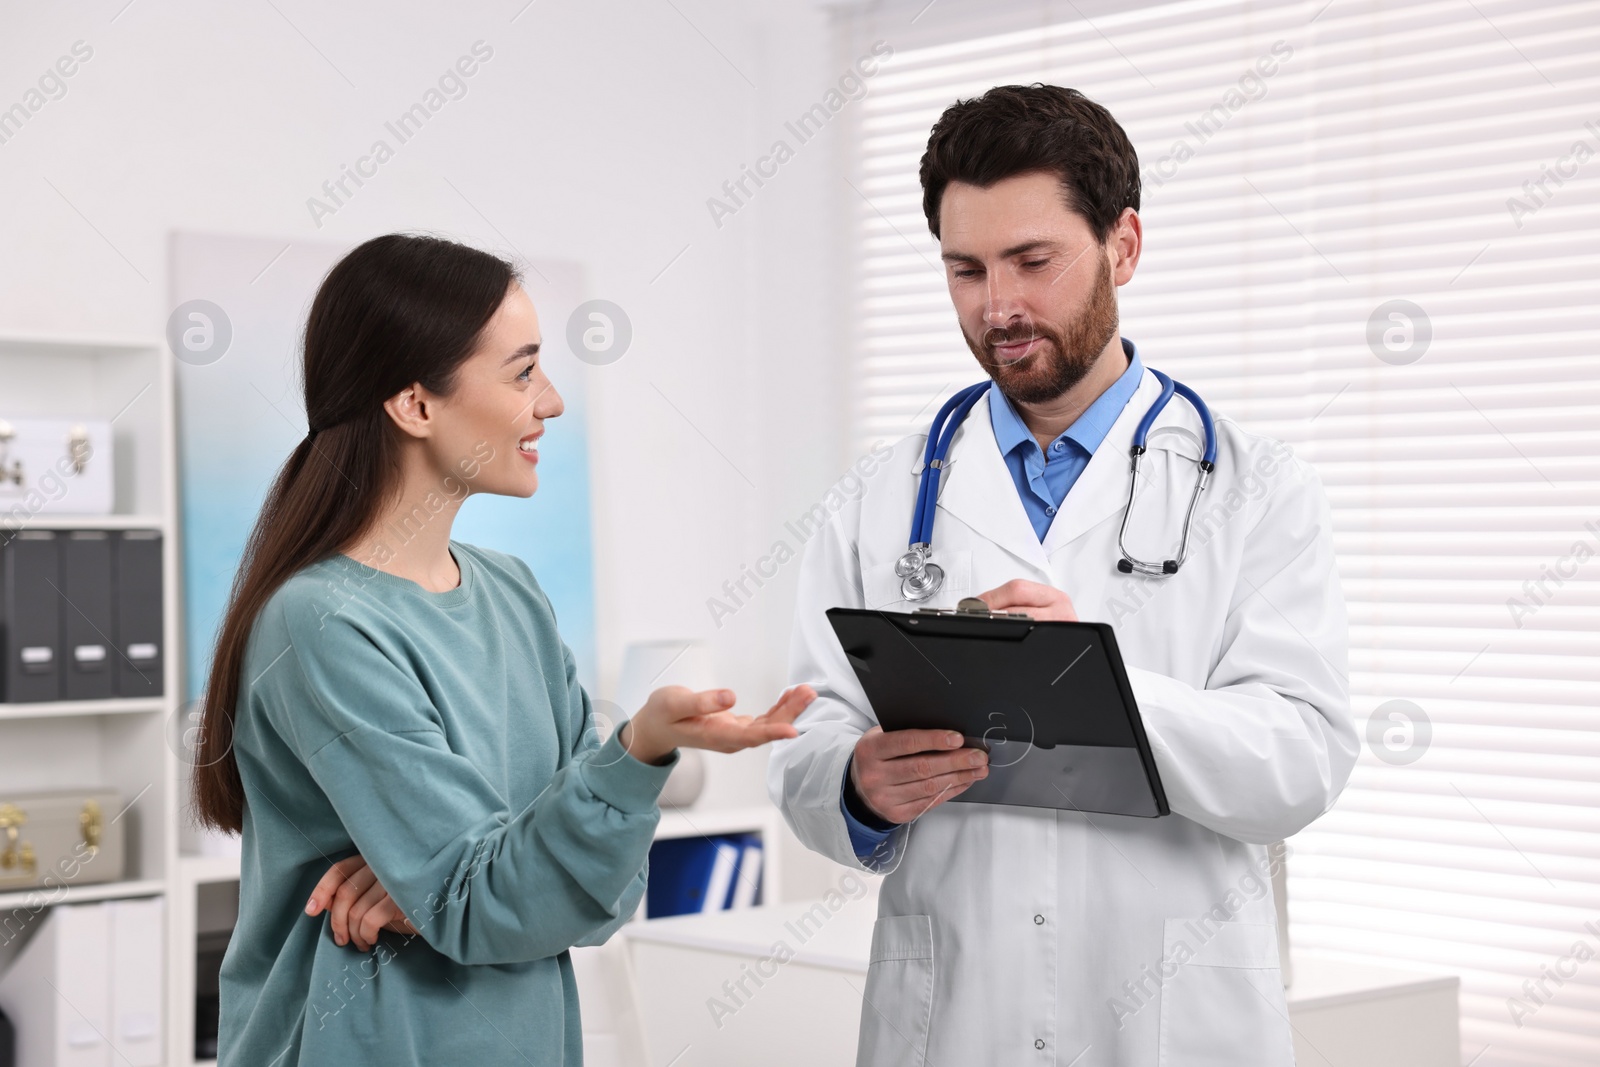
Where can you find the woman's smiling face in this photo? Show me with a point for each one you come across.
(494, 417)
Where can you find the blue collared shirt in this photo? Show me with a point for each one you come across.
(1043, 480)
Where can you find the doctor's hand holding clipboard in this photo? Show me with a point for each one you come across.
(902, 775)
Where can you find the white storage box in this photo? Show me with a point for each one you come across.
(55, 466)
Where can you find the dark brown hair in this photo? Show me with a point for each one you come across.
(398, 310)
(1016, 129)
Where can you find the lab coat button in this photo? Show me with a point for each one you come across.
(1038, 1042)
(1038, 920)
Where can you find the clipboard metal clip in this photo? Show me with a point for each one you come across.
(970, 607)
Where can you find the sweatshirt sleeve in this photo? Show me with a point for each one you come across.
(480, 885)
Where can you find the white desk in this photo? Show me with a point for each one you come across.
(610, 1021)
(1357, 1015)
(807, 1012)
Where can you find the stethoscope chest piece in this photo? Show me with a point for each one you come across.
(919, 579)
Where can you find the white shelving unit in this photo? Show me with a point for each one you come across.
(59, 709)
(123, 744)
(183, 928)
(607, 982)
(32, 899)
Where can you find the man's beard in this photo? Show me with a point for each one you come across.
(1065, 357)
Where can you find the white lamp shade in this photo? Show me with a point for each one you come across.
(649, 665)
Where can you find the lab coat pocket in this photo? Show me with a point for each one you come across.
(1224, 1006)
(897, 1006)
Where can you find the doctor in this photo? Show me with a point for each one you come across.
(1011, 935)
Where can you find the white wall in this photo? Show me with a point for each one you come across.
(596, 132)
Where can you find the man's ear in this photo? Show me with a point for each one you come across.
(410, 410)
(1126, 241)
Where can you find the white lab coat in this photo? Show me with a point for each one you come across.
(1010, 935)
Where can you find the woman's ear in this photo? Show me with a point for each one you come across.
(411, 411)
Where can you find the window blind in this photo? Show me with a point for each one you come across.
(1382, 252)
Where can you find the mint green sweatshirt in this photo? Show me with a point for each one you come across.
(443, 736)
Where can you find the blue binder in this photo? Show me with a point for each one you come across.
(686, 877)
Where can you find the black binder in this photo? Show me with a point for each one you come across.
(30, 616)
(86, 620)
(8, 1042)
(136, 567)
(1049, 701)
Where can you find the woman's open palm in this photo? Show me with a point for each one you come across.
(678, 717)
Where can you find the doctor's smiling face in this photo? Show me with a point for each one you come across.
(1033, 290)
(1033, 194)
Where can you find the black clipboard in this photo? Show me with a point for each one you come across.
(1049, 701)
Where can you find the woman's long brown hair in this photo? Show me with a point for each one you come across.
(398, 310)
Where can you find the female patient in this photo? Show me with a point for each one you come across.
(402, 703)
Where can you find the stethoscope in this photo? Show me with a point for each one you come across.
(920, 578)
